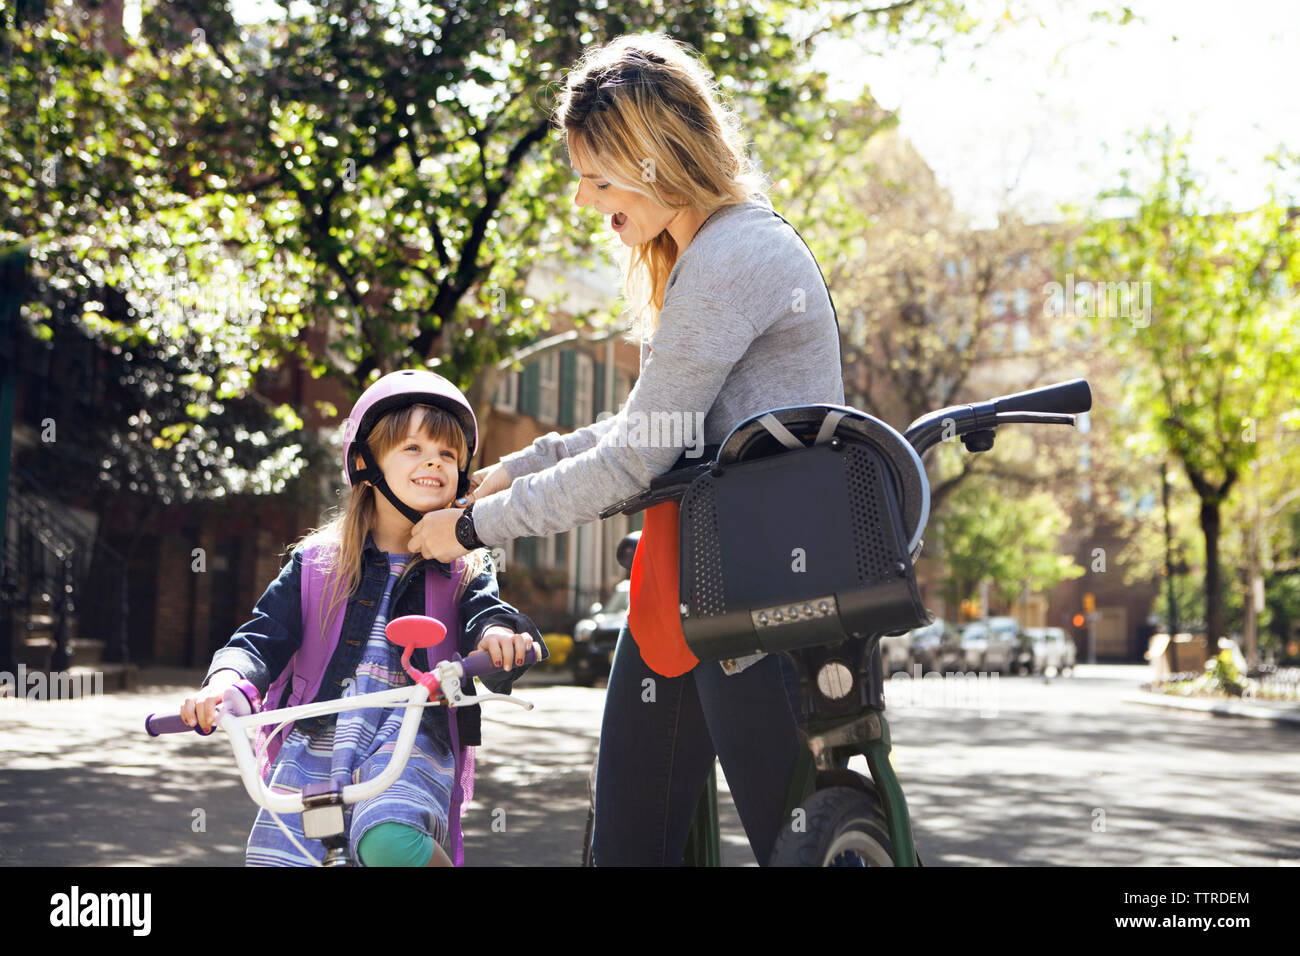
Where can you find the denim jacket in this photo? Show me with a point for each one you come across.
(262, 647)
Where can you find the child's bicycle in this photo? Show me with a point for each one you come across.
(740, 525)
(321, 805)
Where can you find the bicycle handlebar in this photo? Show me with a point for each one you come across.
(1052, 404)
(238, 711)
(1063, 398)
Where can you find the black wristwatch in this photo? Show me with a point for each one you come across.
(465, 533)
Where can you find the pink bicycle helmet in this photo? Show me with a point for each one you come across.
(399, 390)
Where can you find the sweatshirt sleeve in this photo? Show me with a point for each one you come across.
(552, 447)
(699, 339)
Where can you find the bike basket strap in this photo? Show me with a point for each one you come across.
(802, 547)
(793, 427)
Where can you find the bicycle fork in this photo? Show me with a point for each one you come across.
(827, 748)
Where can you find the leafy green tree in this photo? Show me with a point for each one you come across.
(1215, 363)
(146, 374)
(383, 174)
(1012, 543)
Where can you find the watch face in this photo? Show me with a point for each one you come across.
(465, 530)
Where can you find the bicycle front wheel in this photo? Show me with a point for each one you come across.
(839, 826)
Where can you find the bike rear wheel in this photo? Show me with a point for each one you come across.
(841, 826)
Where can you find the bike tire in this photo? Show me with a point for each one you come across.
(843, 826)
(586, 841)
(587, 859)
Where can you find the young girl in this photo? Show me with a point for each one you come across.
(407, 445)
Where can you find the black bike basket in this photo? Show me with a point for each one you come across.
(799, 549)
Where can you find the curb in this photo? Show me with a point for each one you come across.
(1221, 708)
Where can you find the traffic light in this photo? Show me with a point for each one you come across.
(1089, 603)
(1078, 620)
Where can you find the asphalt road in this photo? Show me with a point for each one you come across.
(1015, 772)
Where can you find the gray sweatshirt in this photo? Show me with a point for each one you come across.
(746, 327)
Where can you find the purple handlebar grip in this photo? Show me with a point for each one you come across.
(241, 699)
(157, 724)
(480, 663)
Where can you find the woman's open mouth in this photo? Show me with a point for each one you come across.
(618, 221)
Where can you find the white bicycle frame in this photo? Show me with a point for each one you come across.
(236, 720)
(414, 698)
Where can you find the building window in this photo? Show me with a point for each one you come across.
(1020, 337)
(583, 390)
(548, 405)
(1021, 298)
(998, 303)
(998, 339)
(525, 552)
(506, 397)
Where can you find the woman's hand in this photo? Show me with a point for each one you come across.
(503, 644)
(201, 706)
(434, 536)
(487, 481)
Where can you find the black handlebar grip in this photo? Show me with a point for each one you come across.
(157, 724)
(1065, 398)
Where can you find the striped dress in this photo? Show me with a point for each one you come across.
(357, 747)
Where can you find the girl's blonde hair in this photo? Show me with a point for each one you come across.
(652, 117)
(340, 542)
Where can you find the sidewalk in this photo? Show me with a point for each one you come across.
(1281, 713)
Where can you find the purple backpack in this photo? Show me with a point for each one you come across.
(306, 669)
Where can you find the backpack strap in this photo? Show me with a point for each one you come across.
(303, 674)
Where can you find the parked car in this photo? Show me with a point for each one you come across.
(896, 652)
(1052, 648)
(594, 637)
(936, 647)
(1000, 646)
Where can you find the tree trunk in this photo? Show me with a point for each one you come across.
(1214, 611)
(1171, 653)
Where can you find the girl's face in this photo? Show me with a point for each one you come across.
(421, 470)
(636, 218)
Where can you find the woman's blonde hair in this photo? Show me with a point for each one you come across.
(652, 117)
(340, 542)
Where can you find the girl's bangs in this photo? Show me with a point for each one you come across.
(433, 423)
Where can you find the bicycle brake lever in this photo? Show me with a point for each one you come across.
(471, 701)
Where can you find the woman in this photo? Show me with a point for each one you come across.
(738, 322)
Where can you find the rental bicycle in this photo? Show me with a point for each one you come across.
(321, 805)
(741, 594)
